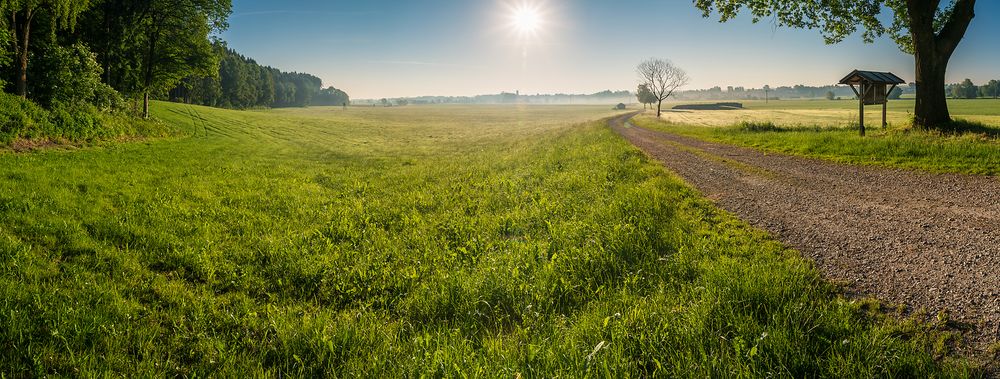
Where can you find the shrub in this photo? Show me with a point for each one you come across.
(75, 122)
(71, 76)
(758, 126)
(21, 118)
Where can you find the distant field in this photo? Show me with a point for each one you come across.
(828, 113)
(406, 242)
(827, 129)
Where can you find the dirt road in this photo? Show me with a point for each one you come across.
(922, 240)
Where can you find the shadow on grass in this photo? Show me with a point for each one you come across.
(767, 126)
(959, 127)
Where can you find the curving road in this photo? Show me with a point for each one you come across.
(926, 241)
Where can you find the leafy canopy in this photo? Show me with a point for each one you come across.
(834, 19)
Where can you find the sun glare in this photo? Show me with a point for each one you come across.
(527, 20)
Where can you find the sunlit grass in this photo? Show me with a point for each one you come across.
(414, 241)
(841, 113)
(802, 129)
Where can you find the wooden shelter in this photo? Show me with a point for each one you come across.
(872, 88)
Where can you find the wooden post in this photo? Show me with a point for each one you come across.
(861, 108)
(884, 105)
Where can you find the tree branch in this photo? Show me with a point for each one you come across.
(958, 22)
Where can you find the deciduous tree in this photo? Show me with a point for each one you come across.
(969, 89)
(990, 89)
(22, 13)
(148, 46)
(662, 78)
(927, 29)
(645, 96)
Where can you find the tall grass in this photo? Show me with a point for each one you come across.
(421, 241)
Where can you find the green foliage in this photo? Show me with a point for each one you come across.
(331, 96)
(242, 83)
(964, 90)
(410, 242)
(830, 95)
(20, 118)
(6, 39)
(76, 122)
(149, 46)
(644, 95)
(990, 89)
(64, 13)
(71, 76)
(837, 20)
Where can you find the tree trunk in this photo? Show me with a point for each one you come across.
(22, 34)
(659, 105)
(931, 52)
(148, 80)
(931, 108)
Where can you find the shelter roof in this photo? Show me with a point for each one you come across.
(857, 76)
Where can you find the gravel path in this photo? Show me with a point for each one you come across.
(922, 240)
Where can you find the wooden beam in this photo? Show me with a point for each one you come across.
(861, 109)
(885, 104)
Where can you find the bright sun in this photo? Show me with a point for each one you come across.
(526, 20)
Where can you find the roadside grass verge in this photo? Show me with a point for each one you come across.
(420, 241)
(971, 149)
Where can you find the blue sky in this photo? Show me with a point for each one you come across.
(391, 48)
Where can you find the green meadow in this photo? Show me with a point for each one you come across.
(438, 241)
(828, 130)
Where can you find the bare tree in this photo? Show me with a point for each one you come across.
(662, 78)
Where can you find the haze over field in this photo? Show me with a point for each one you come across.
(456, 47)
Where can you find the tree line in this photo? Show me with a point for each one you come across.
(602, 97)
(98, 54)
(243, 83)
(968, 90)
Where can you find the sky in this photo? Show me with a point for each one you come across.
(406, 48)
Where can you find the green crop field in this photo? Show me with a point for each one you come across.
(411, 241)
(828, 129)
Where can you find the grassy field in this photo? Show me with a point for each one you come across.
(404, 242)
(828, 129)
